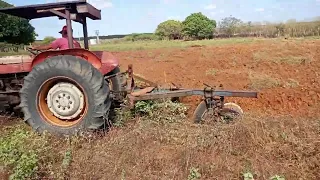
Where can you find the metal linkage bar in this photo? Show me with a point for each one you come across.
(182, 93)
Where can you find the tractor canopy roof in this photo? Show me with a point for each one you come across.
(78, 10)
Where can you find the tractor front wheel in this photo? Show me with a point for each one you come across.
(64, 95)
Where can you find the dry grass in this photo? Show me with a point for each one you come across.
(160, 143)
(292, 83)
(262, 81)
(260, 56)
(211, 72)
(282, 56)
(294, 60)
(144, 45)
(263, 146)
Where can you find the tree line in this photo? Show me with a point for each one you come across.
(198, 26)
(233, 27)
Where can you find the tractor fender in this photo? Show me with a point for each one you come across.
(102, 65)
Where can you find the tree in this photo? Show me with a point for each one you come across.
(230, 24)
(199, 26)
(15, 30)
(170, 29)
(48, 40)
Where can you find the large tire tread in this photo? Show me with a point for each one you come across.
(87, 76)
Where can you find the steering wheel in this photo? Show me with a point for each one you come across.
(33, 51)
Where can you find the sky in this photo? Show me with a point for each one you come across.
(139, 16)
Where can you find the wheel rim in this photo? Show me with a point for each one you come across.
(65, 100)
(62, 102)
(230, 112)
(209, 116)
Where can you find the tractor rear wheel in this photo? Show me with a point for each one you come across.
(64, 95)
(115, 84)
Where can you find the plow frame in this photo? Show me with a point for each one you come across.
(214, 99)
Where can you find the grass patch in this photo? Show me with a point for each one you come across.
(263, 81)
(291, 83)
(143, 45)
(19, 152)
(211, 71)
(159, 112)
(26, 155)
(260, 56)
(294, 60)
(194, 174)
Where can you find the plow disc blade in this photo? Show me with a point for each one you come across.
(231, 111)
(228, 113)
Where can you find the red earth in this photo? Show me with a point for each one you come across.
(284, 73)
(267, 142)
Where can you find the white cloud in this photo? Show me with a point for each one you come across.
(174, 18)
(214, 12)
(211, 6)
(101, 4)
(169, 1)
(259, 9)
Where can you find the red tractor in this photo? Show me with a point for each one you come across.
(65, 91)
(61, 91)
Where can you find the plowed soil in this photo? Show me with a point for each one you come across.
(285, 73)
(280, 134)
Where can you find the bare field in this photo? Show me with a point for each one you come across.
(280, 134)
(284, 72)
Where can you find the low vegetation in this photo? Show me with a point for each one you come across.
(156, 141)
(263, 81)
(24, 154)
(121, 45)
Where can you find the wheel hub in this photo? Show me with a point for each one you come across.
(65, 100)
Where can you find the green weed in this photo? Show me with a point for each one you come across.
(122, 116)
(194, 174)
(24, 154)
(16, 152)
(277, 177)
(247, 176)
(161, 111)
